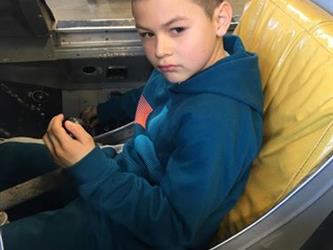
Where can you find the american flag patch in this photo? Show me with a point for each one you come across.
(142, 112)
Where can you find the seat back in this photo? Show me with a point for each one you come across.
(294, 42)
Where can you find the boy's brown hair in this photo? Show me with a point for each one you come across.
(208, 5)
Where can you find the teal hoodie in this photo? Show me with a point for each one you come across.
(188, 161)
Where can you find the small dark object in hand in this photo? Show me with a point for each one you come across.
(77, 121)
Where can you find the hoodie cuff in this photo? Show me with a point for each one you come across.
(92, 167)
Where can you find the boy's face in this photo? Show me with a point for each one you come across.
(178, 37)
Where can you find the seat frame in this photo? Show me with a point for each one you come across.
(294, 219)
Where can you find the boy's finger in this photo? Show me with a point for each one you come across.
(77, 131)
(57, 135)
(54, 120)
(58, 131)
(48, 144)
(50, 147)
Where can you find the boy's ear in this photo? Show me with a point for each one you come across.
(222, 18)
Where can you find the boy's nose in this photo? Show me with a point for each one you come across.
(163, 47)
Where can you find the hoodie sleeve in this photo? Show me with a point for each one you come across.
(119, 108)
(190, 201)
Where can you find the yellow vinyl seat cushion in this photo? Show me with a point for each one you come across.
(294, 42)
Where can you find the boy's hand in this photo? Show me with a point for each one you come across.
(89, 116)
(66, 150)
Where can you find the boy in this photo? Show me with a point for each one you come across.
(198, 128)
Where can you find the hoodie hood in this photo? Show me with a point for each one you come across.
(236, 76)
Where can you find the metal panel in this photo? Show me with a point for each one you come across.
(72, 29)
(31, 108)
(22, 18)
(77, 10)
(74, 74)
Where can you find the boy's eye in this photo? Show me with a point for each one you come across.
(178, 30)
(146, 34)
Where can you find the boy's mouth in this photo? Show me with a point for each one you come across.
(167, 68)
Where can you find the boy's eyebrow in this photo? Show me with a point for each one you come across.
(168, 23)
(175, 19)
